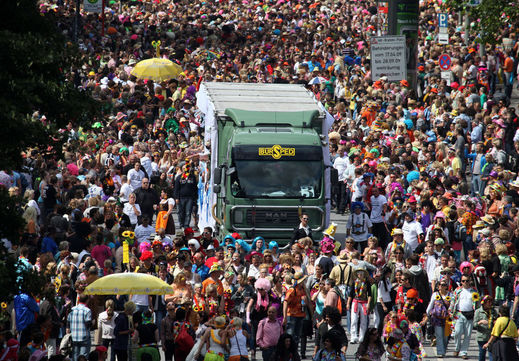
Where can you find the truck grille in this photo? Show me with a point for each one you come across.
(273, 218)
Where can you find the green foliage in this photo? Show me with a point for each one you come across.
(12, 223)
(489, 18)
(14, 278)
(34, 65)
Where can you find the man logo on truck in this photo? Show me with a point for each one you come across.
(277, 151)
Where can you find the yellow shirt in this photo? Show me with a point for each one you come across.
(511, 330)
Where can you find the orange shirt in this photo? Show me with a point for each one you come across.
(210, 281)
(508, 66)
(293, 299)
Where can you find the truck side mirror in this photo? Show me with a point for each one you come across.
(334, 176)
(217, 188)
(217, 176)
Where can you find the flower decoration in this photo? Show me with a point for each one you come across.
(438, 297)
(3, 305)
(475, 297)
(448, 298)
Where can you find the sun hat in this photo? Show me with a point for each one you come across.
(298, 278)
(439, 241)
(215, 268)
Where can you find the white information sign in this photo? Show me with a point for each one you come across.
(388, 58)
(93, 6)
(446, 75)
(443, 38)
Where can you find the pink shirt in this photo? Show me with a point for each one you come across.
(268, 333)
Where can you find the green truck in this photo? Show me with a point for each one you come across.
(269, 159)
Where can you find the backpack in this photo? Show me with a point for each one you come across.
(184, 342)
(341, 304)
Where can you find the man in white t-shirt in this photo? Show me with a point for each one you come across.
(378, 205)
(136, 175)
(358, 226)
(463, 308)
(412, 230)
(341, 163)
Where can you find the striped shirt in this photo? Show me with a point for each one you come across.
(79, 320)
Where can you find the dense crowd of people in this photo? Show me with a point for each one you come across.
(428, 183)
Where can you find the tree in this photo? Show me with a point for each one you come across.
(490, 17)
(35, 63)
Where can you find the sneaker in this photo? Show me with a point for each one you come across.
(465, 357)
(456, 353)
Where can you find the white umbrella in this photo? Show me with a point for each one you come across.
(317, 80)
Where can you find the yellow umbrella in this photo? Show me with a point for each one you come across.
(156, 69)
(129, 283)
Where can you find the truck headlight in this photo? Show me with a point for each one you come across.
(238, 216)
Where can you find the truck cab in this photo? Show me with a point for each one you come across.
(271, 160)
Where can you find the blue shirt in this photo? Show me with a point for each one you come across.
(49, 245)
(25, 307)
(79, 320)
(202, 270)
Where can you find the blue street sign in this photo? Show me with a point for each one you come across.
(443, 20)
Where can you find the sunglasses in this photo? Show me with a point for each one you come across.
(305, 219)
(463, 281)
(349, 242)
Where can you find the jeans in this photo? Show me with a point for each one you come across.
(122, 355)
(483, 352)
(185, 207)
(267, 353)
(159, 316)
(477, 184)
(295, 327)
(341, 197)
(80, 348)
(109, 343)
(441, 340)
(379, 230)
(463, 327)
(170, 350)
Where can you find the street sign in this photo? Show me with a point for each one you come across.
(443, 19)
(93, 6)
(388, 58)
(445, 62)
(446, 75)
(443, 38)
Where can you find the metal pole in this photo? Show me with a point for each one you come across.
(103, 19)
(391, 17)
(76, 21)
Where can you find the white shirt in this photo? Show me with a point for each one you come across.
(146, 164)
(359, 224)
(142, 233)
(135, 177)
(411, 232)
(106, 325)
(377, 206)
(382, 293)
(341, 163)
(359, 188)
(465, 300)
(431, 262)
(124, 193)
(130, 212)
(349, 173)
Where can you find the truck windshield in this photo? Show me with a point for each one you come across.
(276, 179)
